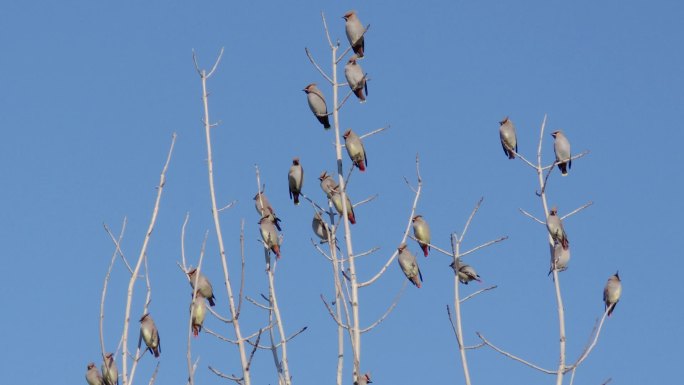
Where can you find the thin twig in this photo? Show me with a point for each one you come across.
(478, 292)
(474, 249)
(104, 287)
(389, 309)
(320, 70)
(511, 356)
(533, 217)
(575, 211)
(118, 248)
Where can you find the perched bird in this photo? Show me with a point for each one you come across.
(409, 265)
(328, 184)
(363, 379)
(198, 309)
(295, 178)
(421, 231)
(555, 227)
(356, 78)
(611, 293)
(355, 32)
(320, 227)
(203, 285)
(559, 257)
(149, 334)
(466, 273)
(509, 142)
(93, 375)
(264, 208)
(337, 201)
(270, 235)
(110, 373)
(355, 149)
(561, 146)
(317, 104)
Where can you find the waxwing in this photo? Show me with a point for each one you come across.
(264, 208)
(409, 265)
(555, 227)
(561, 146)
(203, 285)
(93, 375)
(612, 292)
(270, 235)
(198, 309)
(337, 201)
(110, 373)
(295, 179)
(509, 142)
(149, 334)
(421, 231)
(356, 78)
(328, 184)
(355, 32)
(355, 149)
(559, 257)
(317, 104)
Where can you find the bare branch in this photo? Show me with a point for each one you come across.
(136, 270)
(344, 100)
(357, 204)
(327, 33)
(257, 303)
(288, 339)
(470, 218)
(580, 155)
(228, 206)
(320, 70)
(478, 292)
(511, 356)
(474, 249)
(118, 248)
(377, 131)
(575, 211)
(533, 217)
(154, 374)
(432, 246)
(389, 309)
(334, 317)
(596, 332)
(104, 286)
(216, 63)
(226, 376)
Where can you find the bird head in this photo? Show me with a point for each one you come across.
(349, 15)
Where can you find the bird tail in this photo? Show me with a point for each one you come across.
(565, 243)
(425, 248)
(276, 250)
(324, 121)
(611, 307)
(351, 217)
(361, 166)
(296, 198)
(563, 167)
(276, 222)
(211, 301)
(359, 94)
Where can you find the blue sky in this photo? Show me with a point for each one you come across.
(92, 91)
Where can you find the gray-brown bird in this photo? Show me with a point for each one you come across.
(409, 265)
(465, 273)
(264, 208)
(270, 235)
(560, 257)
(561, 146)
(336, 199)
(149, 334)
(612, 292)
(198, 309)
(509, 141)
(110, 373)
(555, 227)
(203, 285)
(363, 379)
(295, 179)
(355, 32)
(328, 184)
(356, 78)
(421, 231)
(320, 227)
(355, 149)
(317, 104)
(93, 375)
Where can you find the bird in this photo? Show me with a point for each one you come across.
(611, 293)
(93, 375)
(363, 379)
(264, 208)
(560, 257)
(421, 231)
(198, 309)
(356, 78)
(317, 104)
(337, 201)
(409, 265)
(509, 142)
(110, 373)
(203, 285)
(555, 227)
(561, 146)
(328, 184)
(149, 334)
(295, 179)
(465, 273)
(320, 227)
(355, 32)
(355, 149)
(270, 235)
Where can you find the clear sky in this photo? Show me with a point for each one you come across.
(91, 93)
